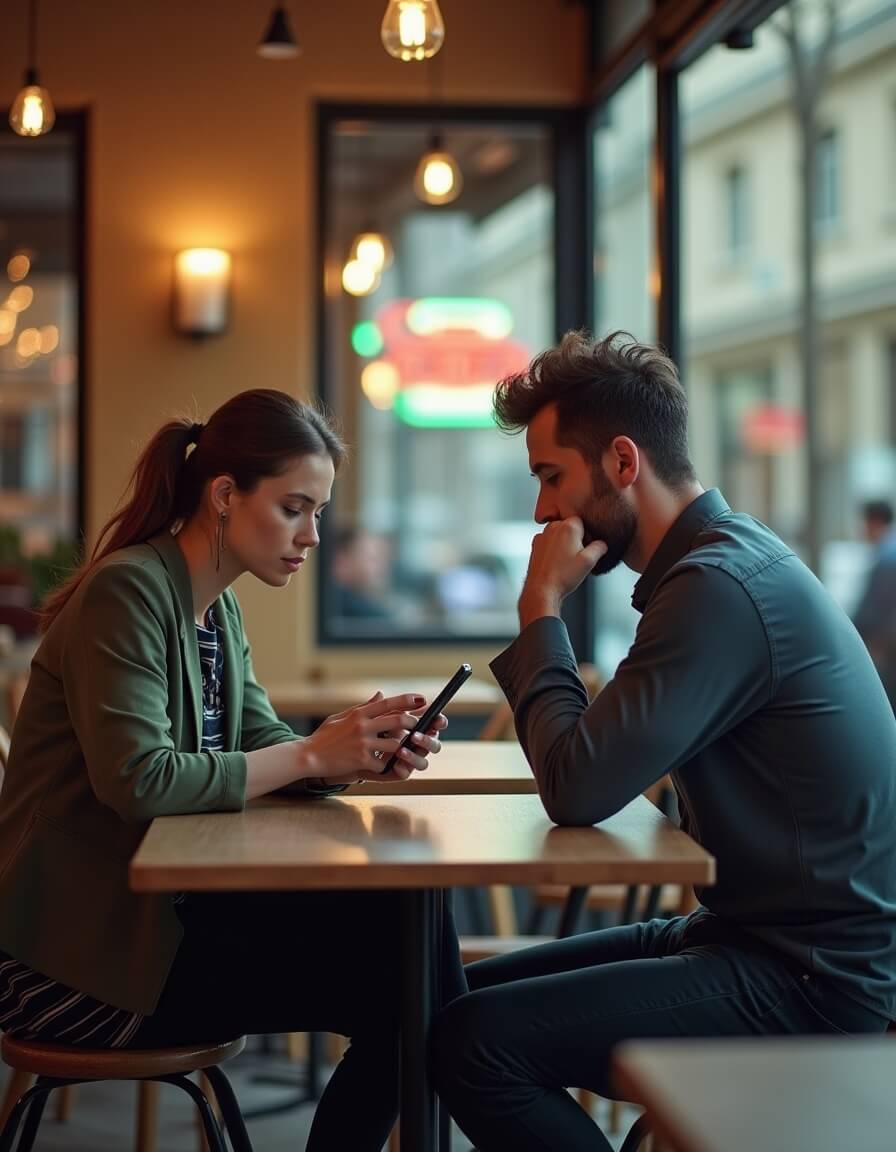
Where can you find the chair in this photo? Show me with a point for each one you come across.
(59, 1066)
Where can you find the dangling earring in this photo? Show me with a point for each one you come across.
(220, 546)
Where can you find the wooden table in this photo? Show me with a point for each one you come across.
(309, 699)
(468, 767)
(824, 1093)
(422, 845)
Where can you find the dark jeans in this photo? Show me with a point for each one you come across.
(538, 1021)
(290, 962)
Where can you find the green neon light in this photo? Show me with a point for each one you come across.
(367, 340)
(430, 314)
(430, 406)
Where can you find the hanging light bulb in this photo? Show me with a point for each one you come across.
(278, 42)
(438, 179)
(412, 29)
(359, 279)
(32, 112)
(372, 248)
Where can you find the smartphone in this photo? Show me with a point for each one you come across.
(463, 673)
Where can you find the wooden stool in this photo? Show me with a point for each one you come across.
(57, 1065)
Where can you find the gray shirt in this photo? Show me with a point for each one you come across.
(748, 684)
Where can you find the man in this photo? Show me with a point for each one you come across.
(875, 617)
(752, 689)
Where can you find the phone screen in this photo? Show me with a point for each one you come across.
(463, 673)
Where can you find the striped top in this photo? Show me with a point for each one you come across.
(33, 1007)
(211, 658)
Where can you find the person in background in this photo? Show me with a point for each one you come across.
(751, 688)
(359, 573)
(875, 616)
(142, 702)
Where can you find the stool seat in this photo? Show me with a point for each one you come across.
(67, 1063)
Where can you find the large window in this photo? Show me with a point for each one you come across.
(625, 285)
(430, 530)
(795, 430)
(40, 232)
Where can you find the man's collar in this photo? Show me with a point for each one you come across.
(677, 542)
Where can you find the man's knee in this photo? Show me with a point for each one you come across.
(459, 1047)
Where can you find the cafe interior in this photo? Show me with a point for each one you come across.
(387, 207)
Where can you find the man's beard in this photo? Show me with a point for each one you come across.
(608, 517)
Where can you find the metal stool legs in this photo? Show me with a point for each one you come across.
(29, 1109)
(230, 1110)
(28, 1112)
(213, 1133)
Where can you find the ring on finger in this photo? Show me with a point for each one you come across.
(377, 754)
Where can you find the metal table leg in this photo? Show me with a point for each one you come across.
(422, 915)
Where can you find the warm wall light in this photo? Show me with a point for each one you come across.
(32, 112)
(412, 29)
(201, 291)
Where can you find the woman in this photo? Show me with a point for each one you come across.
(142, 702)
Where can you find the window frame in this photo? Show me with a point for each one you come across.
(566, 131)
(76, 122)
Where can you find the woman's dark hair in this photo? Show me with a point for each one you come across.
(603, 389)
(253, 435)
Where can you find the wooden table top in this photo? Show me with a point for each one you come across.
(411, 842)
(463, 766)
(324, 697)
(827, 1093)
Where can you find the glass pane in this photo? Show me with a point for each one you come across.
(431, 526)
(38, 370)
(751, 290)
(624, 291)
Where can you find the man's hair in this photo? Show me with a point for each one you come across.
(879, 510)
(603, 389)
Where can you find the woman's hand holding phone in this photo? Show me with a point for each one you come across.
(412, 757)
(354, 744)
(429, 714)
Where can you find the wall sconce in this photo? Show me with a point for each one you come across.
(201, 291)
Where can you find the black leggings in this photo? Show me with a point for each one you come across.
(290, 962)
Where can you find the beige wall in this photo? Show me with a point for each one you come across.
(194, 140)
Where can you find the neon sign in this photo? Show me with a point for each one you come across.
(438, 359)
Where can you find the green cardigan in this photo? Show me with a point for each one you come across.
(107, 738)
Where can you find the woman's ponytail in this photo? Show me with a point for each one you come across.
(157, 494)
